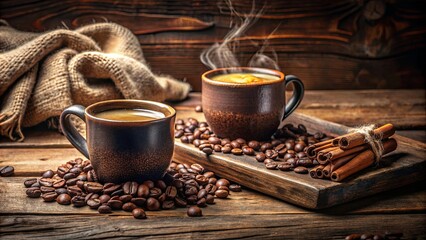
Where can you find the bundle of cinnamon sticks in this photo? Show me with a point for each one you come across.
(345, 155)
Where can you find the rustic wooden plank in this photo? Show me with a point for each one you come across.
(297, 226)
(406, 165)
(409, 199)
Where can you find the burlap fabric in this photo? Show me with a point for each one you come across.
(41, 74)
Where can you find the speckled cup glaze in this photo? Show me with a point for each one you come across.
(250, 111)
(123, 151)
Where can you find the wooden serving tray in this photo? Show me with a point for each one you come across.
(404, 166)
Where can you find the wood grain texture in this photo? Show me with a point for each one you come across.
(268, 226)
(328, 44)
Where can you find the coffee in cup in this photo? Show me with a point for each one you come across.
(247, 102)
(127, 140)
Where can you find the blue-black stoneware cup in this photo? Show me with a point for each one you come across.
(123, 151)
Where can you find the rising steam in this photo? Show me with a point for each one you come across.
(222, 55)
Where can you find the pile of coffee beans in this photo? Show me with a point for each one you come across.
(285, 151)
(75, 183)
(7, 171)
(368, 236)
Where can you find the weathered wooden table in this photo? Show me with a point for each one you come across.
(248, 214)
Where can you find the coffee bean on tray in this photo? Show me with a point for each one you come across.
(139, 213)
(301, 170)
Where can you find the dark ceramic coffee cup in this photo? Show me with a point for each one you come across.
(123, 150)
(251, 111)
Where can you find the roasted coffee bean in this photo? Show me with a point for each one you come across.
(179, 202)
(90, 196)
(178, 133)
(155, 192)
(115, 204)
(201, 180)
(194, 211)
(212, 181)
(288, 155)
(207, 150)
(222, 182)
(271, 166)
(94, 203)
(61, 190)
(48, 174)
(80, 184)
(82, 177)
(226, 149)
(275, 142)
(248, 151)
(201, 202)
(235, 144)
(179, 122)
(49, 196)
(104, 198)
(202, 193)
(171, 192)
(214, 140)
(205, 145)
(169, 204)
(139, 213)
(78, 201)
(59, 183)
(301, 170)
(192, 200)
(223, 188)
(128, 207)
(93, 187)
(289, 145)
(279, 147)
(292, 161)
(29, 182)
(198, 168)
(304, 162)
(149, 183)
(191, 191)
(109, 188)
(125, 198)
(284, 167)
(37, 184)
(272, 154)
(75, 170)
(204, 136)
(162, 198)
(319, 135)
(178, 183)
(299, 147)
(71, 182)
(104, 209)
(217, 148)
(301, 154)
(265, 147)
(47, 182)
(237, 151)
(33, 192)
(235, 188)
(64, 199)
(225, 141)
(260, 157)
(268, 160)
(69, 175)
(74, 191)
(221, 193)
(152, 204)
(254, 144)
(209, 199)
(208, 174)
(44, 189)
(7, 171)
(88, 168)
(130, 188)
(354, 236)
(140, 202)
(62, 171)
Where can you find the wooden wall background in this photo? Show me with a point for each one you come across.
(329, 44)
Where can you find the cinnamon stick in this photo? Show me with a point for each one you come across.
(313, 171)
(338, 153)
(361, 161)
(312, 153)
(352, 140)
(326, 171)
(341, 161)
(321, 156)
(309, 150)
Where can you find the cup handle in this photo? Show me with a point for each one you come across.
(298, 92)
(70, 131)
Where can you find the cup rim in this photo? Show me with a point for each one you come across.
(274, 72)
(89, 111)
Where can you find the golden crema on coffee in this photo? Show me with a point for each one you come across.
(245, 78)
(130, 115)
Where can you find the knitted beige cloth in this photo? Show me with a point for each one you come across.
(41, 74)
